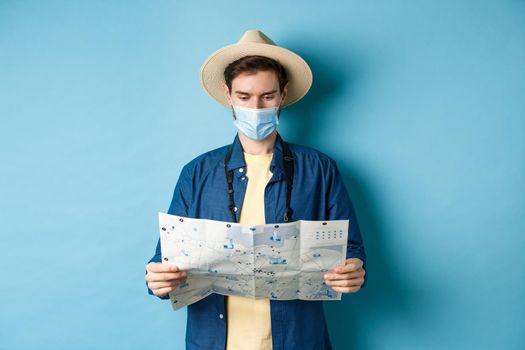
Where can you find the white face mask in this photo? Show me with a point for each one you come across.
(256, 123)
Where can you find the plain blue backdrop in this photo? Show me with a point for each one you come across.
(421, 103)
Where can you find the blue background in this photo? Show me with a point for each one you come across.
(421, 103)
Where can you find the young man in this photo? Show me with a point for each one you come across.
(259, 179)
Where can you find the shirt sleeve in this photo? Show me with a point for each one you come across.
(340, 207)
(179, 206)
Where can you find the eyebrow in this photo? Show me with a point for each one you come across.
(264, 93)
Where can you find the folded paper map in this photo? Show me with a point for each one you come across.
(276, 261)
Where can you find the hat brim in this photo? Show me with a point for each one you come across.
(297, 70)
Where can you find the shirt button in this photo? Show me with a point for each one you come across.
(221, 316)
(235, 209)
(243, 178)
(241, 170)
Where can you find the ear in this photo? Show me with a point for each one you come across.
(284, 93)
(227, 93)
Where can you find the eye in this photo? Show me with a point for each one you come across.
(269, 97)
(243, 98)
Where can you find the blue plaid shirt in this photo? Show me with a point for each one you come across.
(318, 194)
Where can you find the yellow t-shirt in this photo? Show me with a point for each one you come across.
(249, 323)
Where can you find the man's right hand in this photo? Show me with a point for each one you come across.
(163, 279)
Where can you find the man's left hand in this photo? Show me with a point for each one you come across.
(348, 278)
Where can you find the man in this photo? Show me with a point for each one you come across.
(259, 179)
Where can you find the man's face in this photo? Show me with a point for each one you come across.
(259, 90)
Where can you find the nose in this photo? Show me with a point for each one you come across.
(260, 103)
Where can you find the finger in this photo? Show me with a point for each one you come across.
(159, 267)
(165, 276)
(344, 276)
(356, 282)
(163, 291)
(343, 269)
(351, 265)
(158, 285)
(346, 289)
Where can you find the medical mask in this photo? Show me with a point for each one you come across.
(256, 123)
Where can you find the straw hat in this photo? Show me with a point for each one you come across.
(255, 42)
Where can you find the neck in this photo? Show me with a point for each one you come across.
(258, 147)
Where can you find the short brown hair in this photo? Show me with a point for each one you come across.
(253, 64)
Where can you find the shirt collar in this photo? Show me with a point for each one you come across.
(237, 158)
